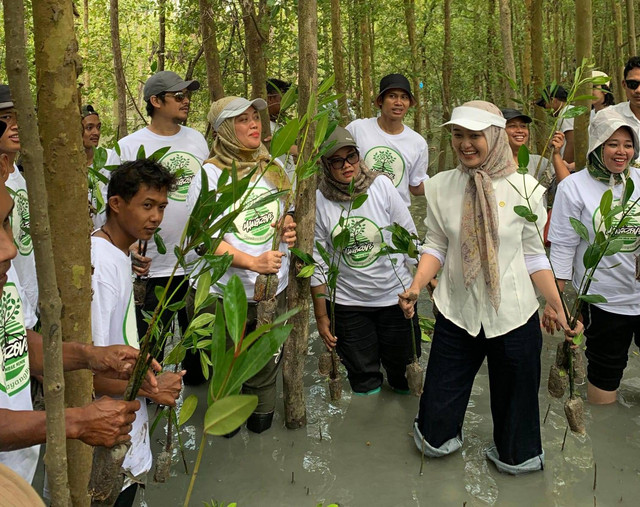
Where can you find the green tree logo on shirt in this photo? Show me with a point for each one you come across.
(184, 166)
(253, 226)
(386, 160)
(630, 233)
(13, 342)
(20, 222)
(365, 238)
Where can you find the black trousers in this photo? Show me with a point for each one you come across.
(150, 302)
(514, 379)
(368, 336)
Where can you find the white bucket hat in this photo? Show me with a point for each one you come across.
(605, 123)
(475, 119)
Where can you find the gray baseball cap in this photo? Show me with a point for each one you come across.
(167, 81)
(235, 107)
(341, 137)
(5, 97)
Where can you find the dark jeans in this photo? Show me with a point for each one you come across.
(609, 336)
(150, 302)
(368, 336)
(514, 379)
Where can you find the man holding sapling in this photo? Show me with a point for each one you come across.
(629, 110)
(104, 422)
(167, 97)
(136, 201)
(388, 145)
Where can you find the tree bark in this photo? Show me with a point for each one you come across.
(446, 84)
(256, 30)
(85, 26)
(526, 58)
(410, 18)
(365, 55)
(631, 28)
(507, 51)
(65, 176)
(618, 63)
(162, 36)
(537, 78)
(338, 61)
(555, 46)
(295, 348)
(584, 50)
(121, 87)
(211, 54)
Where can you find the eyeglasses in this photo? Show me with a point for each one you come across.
(180, 96)
(632, 84)
(338, 162)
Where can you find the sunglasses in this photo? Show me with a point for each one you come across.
(338, 162)
(180, 96)
(632, 84)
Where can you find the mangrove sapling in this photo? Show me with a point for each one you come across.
(404, 243)
(281, 144)
(207, 221)
(608, 240)
(329, 271)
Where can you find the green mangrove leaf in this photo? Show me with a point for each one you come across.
(591, 256)
(605, 202)
(629, 187)
(578, 339)
(600, 238)
(522, 211)
(218, 342)
(202, 320)
(573, 112)
(235, 308)
(307, 271)
(116, 147)
(531, 217)
(341, 240)
(202, 291)
(176, 355)
(615, 245)
(583, 97)
(141, 153)
(99, 158)
(523, 157)
(228, 414)
(321, 129)
(284, 138)
(158, 290)
(592, 298)
(580, 228)
(326, 84)
(323, 253)
(311, 106)
(157, 239)
(303, 256)
(289, 98)
(359, 201)
(188, 408)
(158, 154)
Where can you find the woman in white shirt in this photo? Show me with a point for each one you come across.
(370, 327)
(609, 326)
(489, 257)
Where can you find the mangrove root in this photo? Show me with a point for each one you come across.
(335, 388)
(265, 287)
(266, 311)
(579, 368)
(415, 379)
(562, 361)
(163, 467)
(324, 363)
(574, 410)
(558, 381)
(106, 474)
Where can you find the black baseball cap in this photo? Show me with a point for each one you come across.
(510, 114)
(557, 92)
(167, 81)
(88, 110)
(5, 97)
(395, 81)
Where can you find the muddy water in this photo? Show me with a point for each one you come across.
(360, 452)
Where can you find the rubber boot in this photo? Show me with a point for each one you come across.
(259, 422)
(194, 375)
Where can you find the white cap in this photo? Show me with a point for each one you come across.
(236, 107)
(599, 73)
(476, 119)
(604, 124)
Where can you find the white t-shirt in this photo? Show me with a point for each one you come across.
(254, 234)
(25, 262)
(188, 149)
(404, 157)
(15, 393)
(365, 279)
(113, 322)
(578, 196)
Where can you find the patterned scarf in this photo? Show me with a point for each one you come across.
(227, 150)
(479, 240)
(336, 191)
(599, 171)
